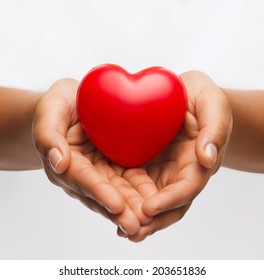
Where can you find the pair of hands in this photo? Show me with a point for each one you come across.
(140, 201)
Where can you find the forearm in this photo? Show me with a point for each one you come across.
(17, 109)
(245, 150)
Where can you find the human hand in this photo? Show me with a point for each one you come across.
(164, 188)
(182, 170)
(72, 162)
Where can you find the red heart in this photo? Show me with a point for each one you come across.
(131, 118)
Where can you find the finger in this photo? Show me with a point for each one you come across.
(83, 178)
(160, 222)
(51, 122)
(120, 180)
(133, 199)
(126, 221)
(189, 183)
(141, 181)
(215, 124)
(144, 185)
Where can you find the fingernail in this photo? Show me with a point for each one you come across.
(211, 152)
(108, 210)
(124, 231)
(55, 158)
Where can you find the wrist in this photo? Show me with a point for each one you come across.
(16, 117)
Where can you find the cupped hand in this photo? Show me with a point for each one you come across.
(182, 170)
(142, 200)
(72, 162)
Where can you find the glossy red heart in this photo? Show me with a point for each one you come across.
(131, 118)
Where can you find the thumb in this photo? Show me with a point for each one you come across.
(215, 124)
(51, 123)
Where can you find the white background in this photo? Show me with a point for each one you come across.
(42, 41)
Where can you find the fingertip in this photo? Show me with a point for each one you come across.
(128, 223)
(122, 232)
(52, 148)
(116, 208)
(55, 160)
(207, 155)
(151, 206)
(116, 205)
(137, 238)
(58, 161)
(143, 233)
(145, 219)
(211, 153)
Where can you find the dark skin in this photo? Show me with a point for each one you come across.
(140, 201)
(143, 200)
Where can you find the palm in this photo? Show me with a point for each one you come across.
(146, 199)
(97, 177)
(179, 158)
(163, 185)
(176, 172)
(84, 173)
